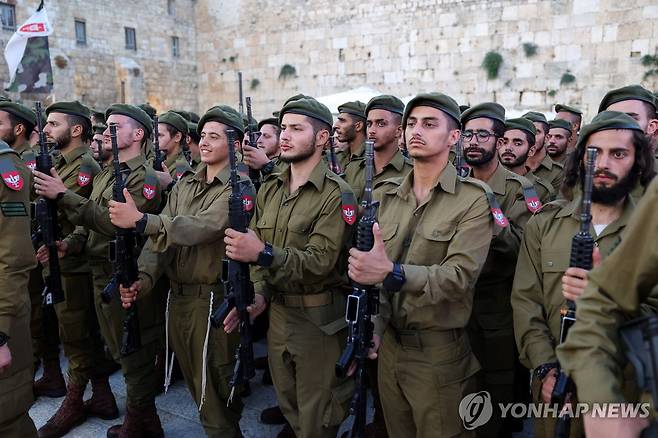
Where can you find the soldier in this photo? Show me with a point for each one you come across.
(69, 128)
(301, 226)
(350, 128)
(575, 117)
(430, 246)
(133, 128)
(384, 127)
(558, 139)
(98, 152)
(540, 163)
(615, 292)
(16, 125)
(185, 242)
(17, 259)
(193, 143)
(265, 157)
(172, 130)
(543, 266)
(517, 145)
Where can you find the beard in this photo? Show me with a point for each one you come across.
(517, 160)
(63, 140)
(485, 156)
(304, 154)
(10, 138)
(619, 190)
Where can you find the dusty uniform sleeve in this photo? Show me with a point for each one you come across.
(592, 354)
(462, 263)
(533, 336)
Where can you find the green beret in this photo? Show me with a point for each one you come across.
(606, 120)
(385, 102)
(490, 110)
(20, 111)
(223, 114)
(308, 106)
(135, 113)
(148, 109)
(521, 123)
(183, 114)
(560, 123)
(535, 116)
(174, 119)
(440, 101)
(99, 128)
(74, 108)
(275, 114)
(631, 92)
(194, 117)
(296, 97)
(568, 109)
(356, 108)
(463, 108)
(191, 129)
(268, 121)
(97, 114)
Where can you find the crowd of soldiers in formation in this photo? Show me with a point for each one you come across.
(470, 253)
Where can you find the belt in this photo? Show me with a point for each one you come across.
(419, 339)
(195, 290)
(308, 300)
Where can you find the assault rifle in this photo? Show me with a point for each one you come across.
(157, 160)
(123, 255)
(333, 158)
(582, 246)
(45, 214)
(238, 288)
(462, 170)
(252, 139)
(362, 304)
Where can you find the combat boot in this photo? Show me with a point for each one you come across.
(51, 383)
(287, 432)
(151, 426)
(102, 403)
(70, 414)
(272, 415)
(138, 423)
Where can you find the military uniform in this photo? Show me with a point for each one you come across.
(552, 171)
(345, 157)
(545, 190)
(442, 244)
(17, 258)
(355, 172)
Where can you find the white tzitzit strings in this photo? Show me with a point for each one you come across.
(205, 356)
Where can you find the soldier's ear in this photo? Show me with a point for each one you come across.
(532, 151)
(322, 137)
(76, 131)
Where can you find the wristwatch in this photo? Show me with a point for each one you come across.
(395, 279)
(140, 225)
(265, 257)
(3, 339)
(542, 370)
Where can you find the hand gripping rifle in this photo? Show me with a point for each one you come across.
(582, 246)
(157, 161)
(45, 213)
(362, 304)
(123, 255)
(238, 288)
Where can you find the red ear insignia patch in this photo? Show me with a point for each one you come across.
(499, 217)
(149, 191)
(349, 214)
(84, 176)
(31, 164)
(10, 175)
(248, 202)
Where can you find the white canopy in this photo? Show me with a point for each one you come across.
(363, 94)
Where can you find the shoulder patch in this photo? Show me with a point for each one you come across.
(10, 175)
(530, 195)
(348, 207)
(150, 186)
(30, 159)
(182, 167)
(13, 209)
(494, 206)
(84, 175)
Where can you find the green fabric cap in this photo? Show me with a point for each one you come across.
(606, 120)
(223, 114)
(97, 114)
(490, 110)
(174, 119)
(355, 108)
(275, 114)
(191, 127)
(630, 92)
(148, 109)
(521, 123)
(183, 114)
(568, 109)
(385, 102)
(99, 128)
(20, 111)
(268, 121)
(194, 117)
(440, 101)
(463, 108)
(535, 116)
(559, 123)
(134, 113)
(74, 108)
(308, 106)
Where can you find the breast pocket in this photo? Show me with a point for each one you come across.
(554, 263)
(299, 224)
(431, 242)
(265, 229)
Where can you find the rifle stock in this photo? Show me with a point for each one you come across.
(157, 161)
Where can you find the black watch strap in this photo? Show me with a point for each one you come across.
(266, 257)
(140, 225)
(542, 370)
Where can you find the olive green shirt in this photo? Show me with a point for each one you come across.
(27, 155)
(544, 189)
(77, 169)
(94, 230)
(17, 257)
(544, 257)
(617, 292)
(354, 173)
(186, 241)
(550, 171)
(346, 156)
(442, 243)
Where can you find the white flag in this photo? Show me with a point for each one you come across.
(36, 26)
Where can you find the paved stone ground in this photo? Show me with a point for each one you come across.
(178, 412)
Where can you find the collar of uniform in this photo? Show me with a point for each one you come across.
(202, 174)
(316, 177)
(547, 162)
(447, 181)
(135, 162)
(397, 161)
(23, 147)
(622, 220)
(74, 154)
(573, 209)
(170, 162)
(498, 181)
(359, 151)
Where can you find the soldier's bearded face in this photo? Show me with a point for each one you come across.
(429, 133)
(540, 136)
(269, 140)
(557, 141)
(128, 132)
(345, 128)
(513, 148)
(615, 173)
(383, 127)
(476, 151)
(298, 139)
(213, 146)
(58, 130)
(6, 131)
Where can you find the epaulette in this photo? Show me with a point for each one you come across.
(347, 198)
(151, 183)
(182, 168)
(558, 164)
(89, 168)
(5, 149)
(547, 185)
(529, 193)
(29, 158)
(496, 210)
